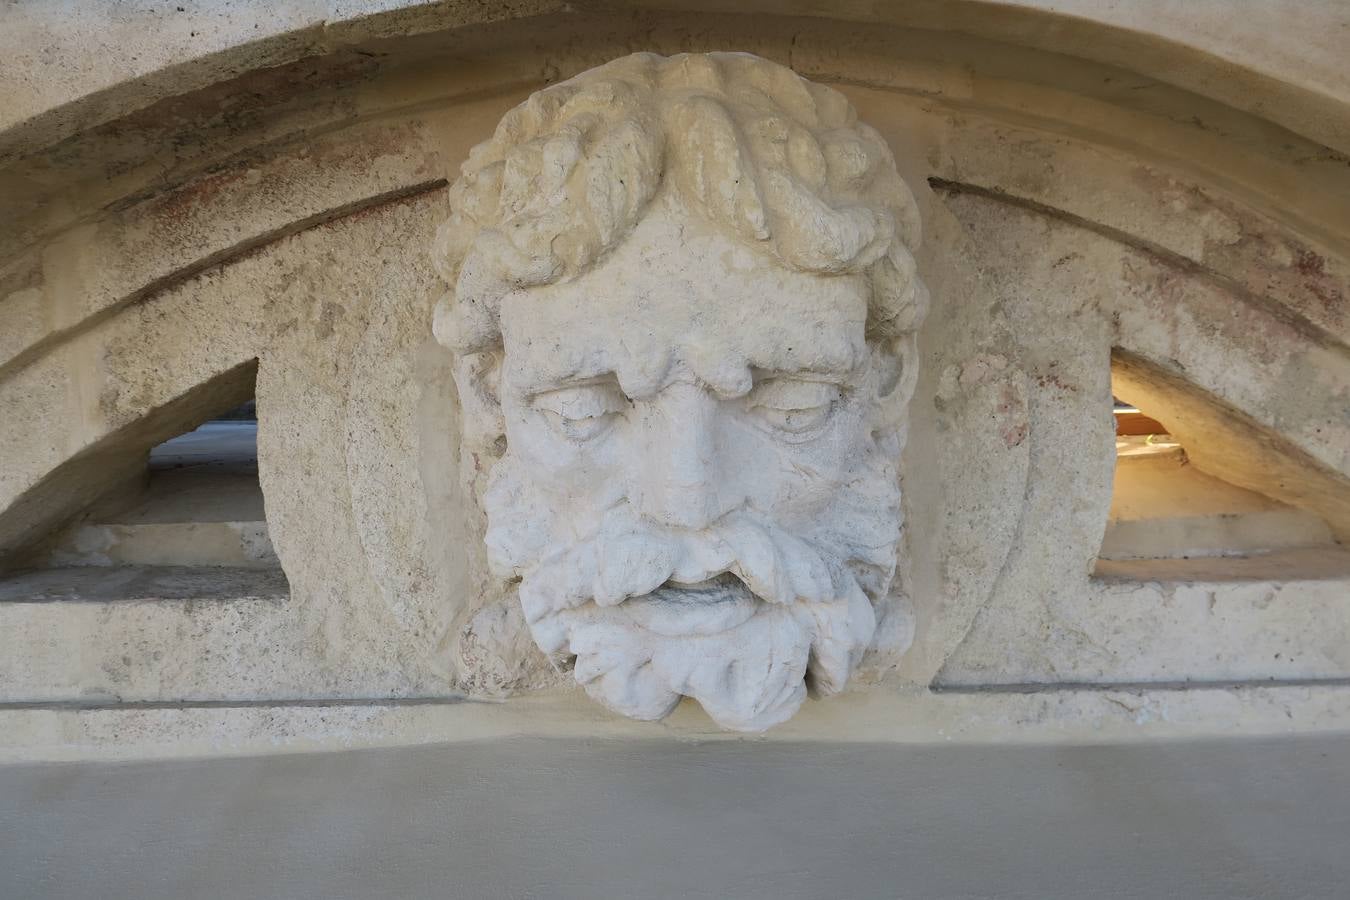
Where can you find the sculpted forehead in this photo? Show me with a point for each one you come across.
(679, 293)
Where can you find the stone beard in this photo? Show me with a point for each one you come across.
(698, 493)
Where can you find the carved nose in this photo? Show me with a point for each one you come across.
(678, 481)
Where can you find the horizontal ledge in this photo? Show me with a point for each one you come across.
(1050, 687)
(898, 715)
(142, 584)
(1287, 566)
(105, 705)
(114, 705)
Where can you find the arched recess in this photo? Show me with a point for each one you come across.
(1223, 439)
(1189, 342)
(293, 309)
(115, 462)
(1308, 505)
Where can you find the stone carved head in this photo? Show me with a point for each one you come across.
(683, 303)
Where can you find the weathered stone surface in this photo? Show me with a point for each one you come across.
(143, 583)
(166, 238)
(1164, 507)
(164, 544)
(135, 634)
(684, 298)
(1280, 60)
(1123, 220)
(1071, 296)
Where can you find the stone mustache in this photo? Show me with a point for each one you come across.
(683, 303)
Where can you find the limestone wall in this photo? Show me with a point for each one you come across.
(1151, 199)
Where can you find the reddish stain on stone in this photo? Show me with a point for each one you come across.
(371, 144)
(1053, 380)
(197, 193)
(1015, 434)
(1310, 264)
(1313, 269)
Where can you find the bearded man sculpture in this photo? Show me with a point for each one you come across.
(684, 302)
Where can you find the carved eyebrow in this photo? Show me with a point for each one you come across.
(827, 361)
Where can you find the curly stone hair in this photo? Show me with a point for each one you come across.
(780, 163)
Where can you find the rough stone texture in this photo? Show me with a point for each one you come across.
(1282, 59)
(133, 633)
(1130, 213)
(166, 544)
(1164, 507)
(165, 238)
(138, 583)
(1317, 563)
(1104, 295)
(75, 456)
(685, 301)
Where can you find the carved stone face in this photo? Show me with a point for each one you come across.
(685, 303)
(692, 494)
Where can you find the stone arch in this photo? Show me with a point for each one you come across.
(1234, 445)
(117, 457)
(1202, 180)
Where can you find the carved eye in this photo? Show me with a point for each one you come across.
(793, 406)
(581, 413)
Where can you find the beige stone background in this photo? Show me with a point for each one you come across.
(236, 200)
